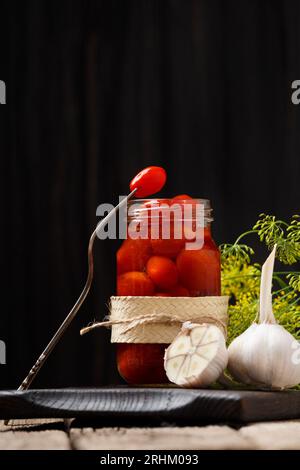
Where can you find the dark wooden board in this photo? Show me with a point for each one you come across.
(147, 405)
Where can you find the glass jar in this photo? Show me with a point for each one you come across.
(169, 252)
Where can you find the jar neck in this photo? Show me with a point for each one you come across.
(197, 212)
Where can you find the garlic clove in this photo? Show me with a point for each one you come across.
(237, 352)
(197, 356)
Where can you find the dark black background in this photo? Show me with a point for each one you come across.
(96, 90)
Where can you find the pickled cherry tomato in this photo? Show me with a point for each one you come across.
(162, 271)
(142, 363)
(184, 200)
(167, 247)
(133, 255)
(134, 283)
(199, 271)
(182, 197)
(148, 181)
(179, 291)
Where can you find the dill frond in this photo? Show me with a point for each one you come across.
(294, 281)
(241, 276)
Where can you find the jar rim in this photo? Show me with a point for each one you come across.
(141, 211)
(205, 202)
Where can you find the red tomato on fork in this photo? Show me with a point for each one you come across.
(148, 181)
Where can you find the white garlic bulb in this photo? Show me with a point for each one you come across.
(264, 355)
(197, 356)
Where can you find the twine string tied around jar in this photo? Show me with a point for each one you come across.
(159, 319)
(154, 318)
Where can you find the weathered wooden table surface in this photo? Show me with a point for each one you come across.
(272, 435)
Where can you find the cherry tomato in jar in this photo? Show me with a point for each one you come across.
(199, 271)
(165, 247)
(133, 255)
(142, 363)
(179, 291)
(182, 197)
(134, 283)
(183, 200)
(170, 239)
(148, 181)
(162, 271)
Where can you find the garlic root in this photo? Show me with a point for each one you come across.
(197, 356)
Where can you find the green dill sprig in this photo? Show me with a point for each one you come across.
(294, 229)
(241, 276)
(269, 229)
(288, 251)
(285, 235)
(239, 252)
(294, 281)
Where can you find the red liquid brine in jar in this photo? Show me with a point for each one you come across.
(166, 267)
